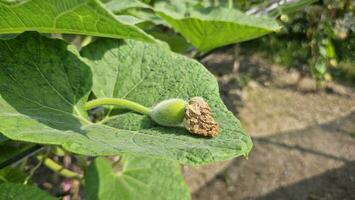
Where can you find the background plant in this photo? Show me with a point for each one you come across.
(317, 40)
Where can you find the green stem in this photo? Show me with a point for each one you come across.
(58, 168)
(122, 103)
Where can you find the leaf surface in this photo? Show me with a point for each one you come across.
(153, 179)
(44, 85)
(12, 191)
(117, 6)
(13, 175)
(86, 17)
(209, 28)
(290, 7)
(148, 74)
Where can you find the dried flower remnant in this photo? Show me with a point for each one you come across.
(198, 118)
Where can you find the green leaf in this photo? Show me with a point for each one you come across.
(10, 150)
(290, 7)
(86, 17)
(128, 19)
(12, 175)
(210, 28)
(176, 42)
(44, 85)
(137, 9)
(320, 66)
(140, 177)
(148, 74)
(148, 16)
(117, 6)
(11, 191)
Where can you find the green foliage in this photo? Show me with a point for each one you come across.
(317, 39)
(117, 6)
(291, 7)
(139, 177)
(12, 175)
(45, 86)
(176, 42)
(202, 26)
(12, 191)
(148, 75)
(86, 17)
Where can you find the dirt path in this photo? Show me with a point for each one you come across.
(304, 141)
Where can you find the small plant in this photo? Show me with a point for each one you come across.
(153, 98)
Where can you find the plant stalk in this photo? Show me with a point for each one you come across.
(122, 103)
(58, 168)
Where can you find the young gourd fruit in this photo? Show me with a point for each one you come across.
(169, 112)
(195, 115)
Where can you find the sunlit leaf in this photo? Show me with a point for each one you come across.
(85, 17)
(140, 177)
(209, 28)
(44, 85)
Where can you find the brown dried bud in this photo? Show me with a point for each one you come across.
(198, 119)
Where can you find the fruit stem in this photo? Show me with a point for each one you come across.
(58, 168)
(122, 103)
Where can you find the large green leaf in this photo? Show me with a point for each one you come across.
(139, 178)
(209, 28)
(148, 74)
(44, 84)
(12, 191)
(86, 17)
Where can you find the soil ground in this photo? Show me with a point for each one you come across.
(304, 140)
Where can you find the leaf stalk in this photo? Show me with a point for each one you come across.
(51, 164)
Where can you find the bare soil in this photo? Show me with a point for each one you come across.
(304, 139)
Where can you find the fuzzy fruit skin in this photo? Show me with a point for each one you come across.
(170, 112)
